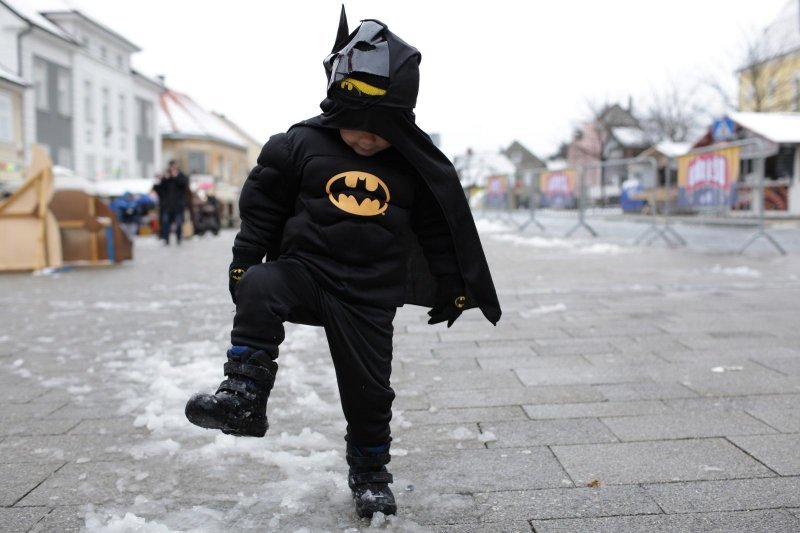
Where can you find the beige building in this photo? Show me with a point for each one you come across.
(12, 151)
(253, 148)
(770, 79)
(201, 142)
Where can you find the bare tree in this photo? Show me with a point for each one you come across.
(673, 113)
(764, 84)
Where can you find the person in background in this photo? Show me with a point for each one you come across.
(172, 189)
(129, 213)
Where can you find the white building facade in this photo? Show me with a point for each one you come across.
(85, 105)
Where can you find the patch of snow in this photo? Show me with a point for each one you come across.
(742, 271)
(462, 433)
(543, 310)
(492, 226)
(721, 369)
(487, 436)
(555, 243)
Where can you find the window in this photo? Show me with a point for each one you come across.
(123, 168)
(120, 64)
(106, 117)
(103, 53)
(107, 166)
(6, 119)
(796, 90)
(89, 135)
(123, 114)
(64, 157)
(88, 102)
(197, 163)
(40, 84)
(91, 170)
(147, 120)
(63, 92)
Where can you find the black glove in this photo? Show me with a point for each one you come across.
(451, 300)
(235, 273)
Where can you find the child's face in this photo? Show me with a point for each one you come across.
(363, 142)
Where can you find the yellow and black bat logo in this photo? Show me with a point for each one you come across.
(358, 193)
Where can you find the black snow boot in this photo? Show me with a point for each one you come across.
(239, 407)
(369, 480)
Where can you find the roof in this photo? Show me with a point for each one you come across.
(55, 13)
(474, 168)
(11, 76)
(782, 128)
(182, 117)
(25, 10)
(672, 148)
(629, 136)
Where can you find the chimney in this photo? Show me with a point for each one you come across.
(161, 80)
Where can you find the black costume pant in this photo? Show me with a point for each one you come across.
(359, 338)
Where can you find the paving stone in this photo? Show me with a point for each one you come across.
(728, 495)
(631, 359)
(779, 452)
(596, 409)
(735, 403)
(784, 365)
(565, 503)
(618, 330)
(681, 426)
(500, 333)
(546, 432)
(742, 384)
(750, 521)
(496, 527)
(593, 375)
(108, 426)
(469, 379)
(18, 393)
(427, 509)
(492, 350)
(28, 411)
(658, 461)
(463, 416)
(572, 347)
(439, 437)
(66, 448)
(533, 361)
(448, 364)
(644, 391)
(515, 396)
(471, 471)
(784, 420)
(17, 479)
(20, 520)
(38, 426)
(63, 520)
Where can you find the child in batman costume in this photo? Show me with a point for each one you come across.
(357, 213)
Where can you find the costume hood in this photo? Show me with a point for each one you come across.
(373, 81)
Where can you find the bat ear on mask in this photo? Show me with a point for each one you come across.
(343, 33)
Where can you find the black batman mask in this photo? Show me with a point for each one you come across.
(372, 66)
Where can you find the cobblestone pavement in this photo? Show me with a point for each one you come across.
(625, 389)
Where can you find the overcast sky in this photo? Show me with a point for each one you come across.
(492, 72)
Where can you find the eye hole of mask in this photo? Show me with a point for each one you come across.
(363, 46)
